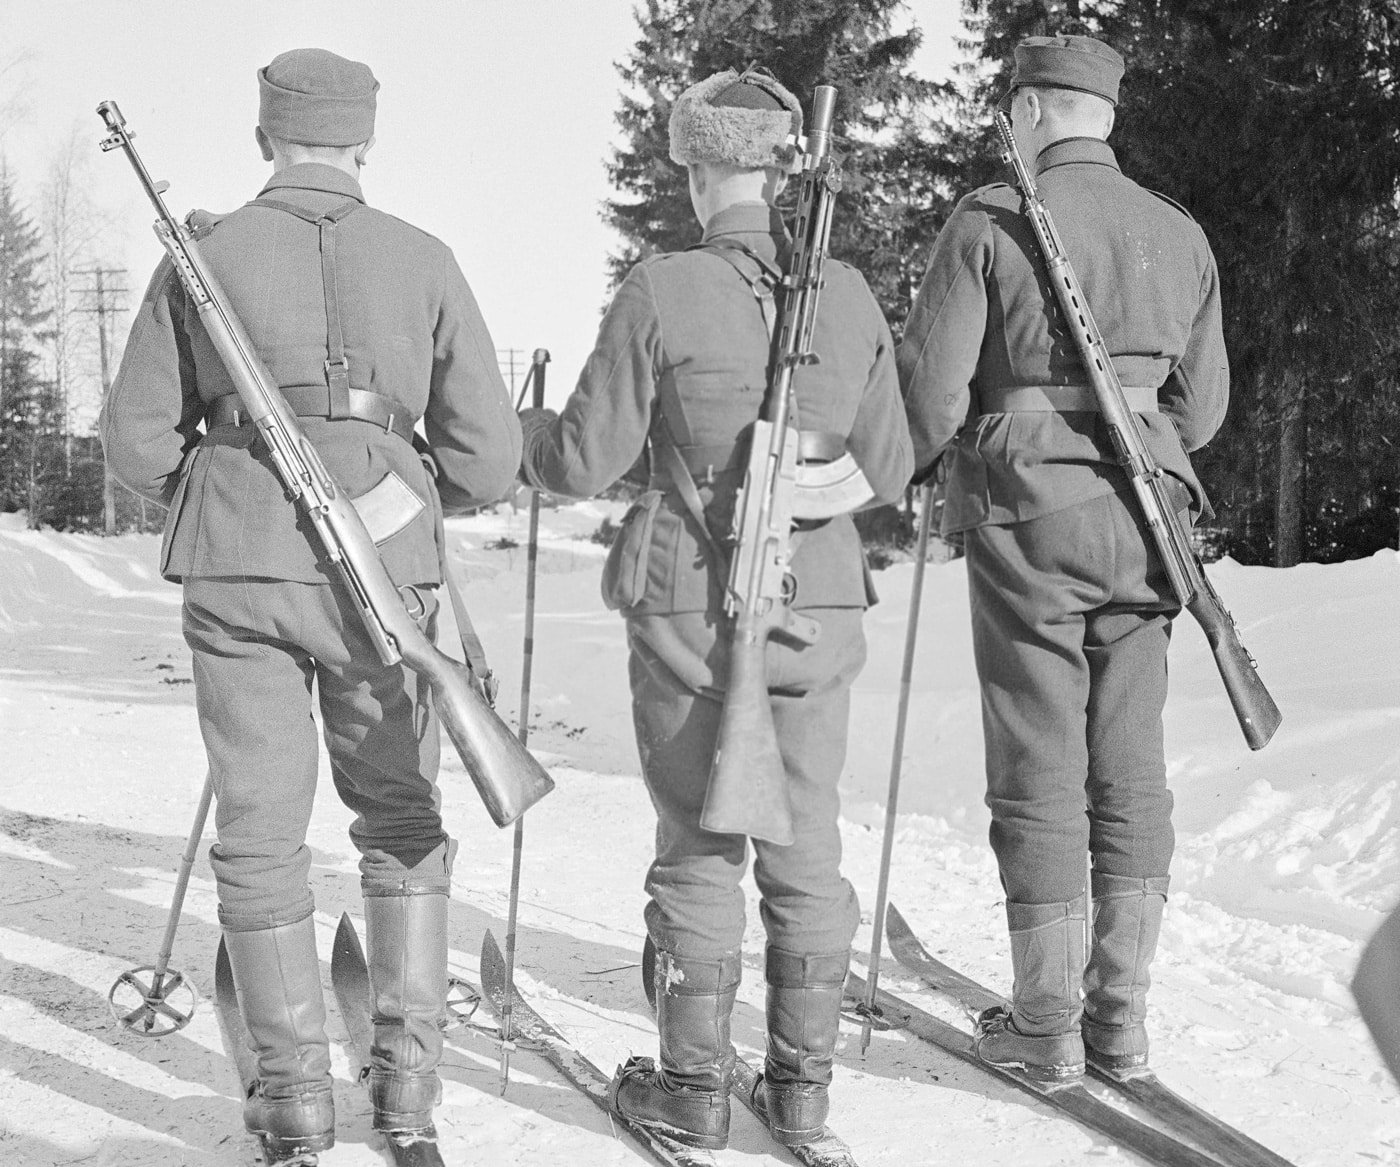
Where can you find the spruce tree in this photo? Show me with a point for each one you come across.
(28, 410)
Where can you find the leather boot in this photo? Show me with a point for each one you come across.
(406, 934)
(804, 1014)
(1040, 1032)
(278, 978)
(686, 1095)
(1127, 921)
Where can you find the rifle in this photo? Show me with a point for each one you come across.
(508, 779)
(747, 792)
(1258, 716)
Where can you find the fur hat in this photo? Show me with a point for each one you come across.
(746, 120)
(316, 98)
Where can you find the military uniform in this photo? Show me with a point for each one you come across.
(1071, 609)
(681, 358)
(367, 324)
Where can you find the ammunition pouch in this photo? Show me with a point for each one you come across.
(624, 580)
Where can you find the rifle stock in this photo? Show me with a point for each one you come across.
(748, 791)
(506, 776)
(1254, 708)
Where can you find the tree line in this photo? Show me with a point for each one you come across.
(60, 312)
(1275, 123)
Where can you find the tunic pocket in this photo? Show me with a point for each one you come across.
(175, 572)
(625, 572)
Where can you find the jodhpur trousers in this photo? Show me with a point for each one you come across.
(258, 647)
(697, 905)
(1071, 617)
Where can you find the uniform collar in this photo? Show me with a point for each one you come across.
(315, 176)
(1071, 150)
(746, 219)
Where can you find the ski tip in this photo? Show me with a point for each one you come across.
(223, 973)
(347, 947)
(493, 966)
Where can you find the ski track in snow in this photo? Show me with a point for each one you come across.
(1286, 860)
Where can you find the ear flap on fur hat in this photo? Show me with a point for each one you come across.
(741, 135)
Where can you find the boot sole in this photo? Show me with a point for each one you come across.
(678, 1134)
(1051, 1075)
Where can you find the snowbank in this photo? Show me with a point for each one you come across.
(1286, 860)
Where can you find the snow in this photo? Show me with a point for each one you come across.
(1286, 861)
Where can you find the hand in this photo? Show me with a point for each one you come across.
(534, 420)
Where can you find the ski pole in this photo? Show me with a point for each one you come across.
(869, 1010)
(537, 364)
(155, 1016)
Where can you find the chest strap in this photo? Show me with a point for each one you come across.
(315, 401)
(1057, 399)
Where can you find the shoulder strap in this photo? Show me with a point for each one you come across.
(337, 367)
(763, 283)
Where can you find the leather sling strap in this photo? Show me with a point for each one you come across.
(672, 431)
(472, 649)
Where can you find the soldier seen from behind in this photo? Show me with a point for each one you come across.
(1071, 607)
(367, 325)
(682, 361)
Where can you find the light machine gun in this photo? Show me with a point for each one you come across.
(748, 789)
(1258, 716)
(508, 779)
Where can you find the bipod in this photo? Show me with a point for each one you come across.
(157, 1007)
(538, 361)
(867, 1012)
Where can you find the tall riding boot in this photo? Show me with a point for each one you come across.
(406, 933)
(686, 1096)
(804, 1016)
(1127, 921)
(1040, 1032)
(278, 978)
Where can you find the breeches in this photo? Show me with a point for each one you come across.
(258, 645)
(1071, 617)
(697, 905)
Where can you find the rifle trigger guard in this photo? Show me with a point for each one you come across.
(414, 602)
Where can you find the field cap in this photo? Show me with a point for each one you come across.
(316, 98)
(1069, 62)
(746, 119)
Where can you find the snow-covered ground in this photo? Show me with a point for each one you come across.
(1286, 861)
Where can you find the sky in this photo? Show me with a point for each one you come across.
(494, 123)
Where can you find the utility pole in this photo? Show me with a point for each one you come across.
(509, 359)
(105, 308)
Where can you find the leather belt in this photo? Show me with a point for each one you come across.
(1058, 399)
(315, 401)
(704, 462)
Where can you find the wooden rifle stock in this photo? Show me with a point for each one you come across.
(748, 788)
(506, 776)
(1254, 707)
